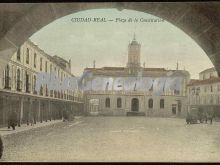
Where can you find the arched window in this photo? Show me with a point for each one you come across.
(161, 103)
(118, 102)
(150, 103)
(107, 102)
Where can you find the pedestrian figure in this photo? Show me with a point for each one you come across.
(209, 116)
(12, 121)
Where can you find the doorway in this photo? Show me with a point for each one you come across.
(174, 109)
(135, 105)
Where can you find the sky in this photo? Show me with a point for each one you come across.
(162, 44)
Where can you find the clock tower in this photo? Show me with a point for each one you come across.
(134, 50)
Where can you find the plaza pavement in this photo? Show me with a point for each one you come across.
(115, 139)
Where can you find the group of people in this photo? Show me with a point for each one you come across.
(201, 115)
(205, 116)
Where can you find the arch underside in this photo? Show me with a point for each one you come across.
(200, 21)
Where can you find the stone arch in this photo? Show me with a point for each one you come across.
(200, 21)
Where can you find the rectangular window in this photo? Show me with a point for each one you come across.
(35, 60)
(161, 103)
(41, 61)
(19, 54)
(197, 90)
(51, 68)
(27, 56)
(61, 76)
(46, 66)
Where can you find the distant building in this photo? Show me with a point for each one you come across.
(17, 86)
(205, 92)
(208, 73)
(116, 98)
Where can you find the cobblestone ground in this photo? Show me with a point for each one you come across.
(116, 139)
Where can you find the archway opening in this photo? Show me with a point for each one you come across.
(77, 39)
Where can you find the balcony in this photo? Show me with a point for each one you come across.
(19, 85)
(7, 82)
(28, 87)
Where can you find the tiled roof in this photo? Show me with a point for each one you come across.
(203, 82)
(123, 68)
(154, 69)
(146, 72)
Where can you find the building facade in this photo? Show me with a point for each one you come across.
(121, 90)
(208, 73)
(205, 92)
(18, 87)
